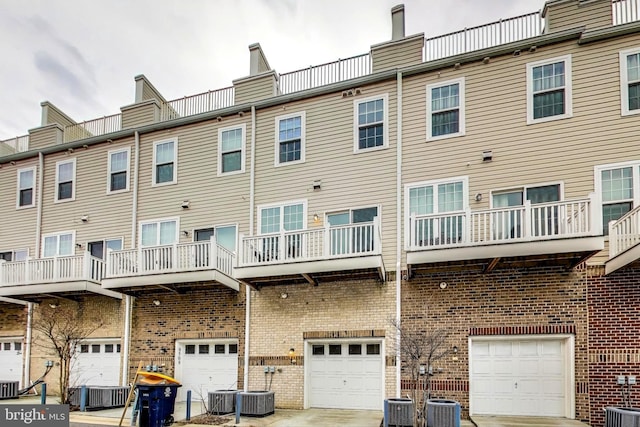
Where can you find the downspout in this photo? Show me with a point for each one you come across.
(39, 212)
(398, 229)
(27, 346)
(128, 300)
(252, 176)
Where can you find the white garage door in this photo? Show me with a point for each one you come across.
(206, 365)
(11, 359)
(519, 377)
(345, 375)
(96, 362)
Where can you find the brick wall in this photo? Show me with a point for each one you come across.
(510, 302)
(214, 312)
(614, 347)
(337, 309)
(13, 320)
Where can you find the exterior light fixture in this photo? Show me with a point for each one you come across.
(292, 355)
(478, 197)
(185, 204)
(156, 302)
(443, 285)
(316, 218)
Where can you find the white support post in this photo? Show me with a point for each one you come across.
(527, 220)
(27, 271)
(2, 273)
(281, 256)
(213, 261)
(412, 231)
(174, 257)
(86, 266)
(377, 235)
(241, 252)
(55, 269)
(467, 237)
(326, 244)
(596, 214)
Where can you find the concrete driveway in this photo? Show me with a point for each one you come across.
(496, 421)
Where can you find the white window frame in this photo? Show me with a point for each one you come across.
(73, 182)
(15, 251)
(33, 188)
(127, 170)
(432, 183)
(624, 82)
(461, 109)
(303, 131)
(350, 212)
(635, 177)
(158, 221)
(568, 89)
(523, 189)
(104, 244)
(385, 123)
(175, 163)
(57, 235)
(215, 227)
(281, 206)
(243, 128)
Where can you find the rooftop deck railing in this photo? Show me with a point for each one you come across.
(530, 222)
(175, 258)
(483, 36)
(196, 104)
(18, 144)
(625, 11)
(320, 75)
(624, 233)
(311, 245)
(95, 127)
(51, 270)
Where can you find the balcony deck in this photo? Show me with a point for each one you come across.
(33, 278)
(174, 267)
(559, 233)
(325, 254)
(624, 241)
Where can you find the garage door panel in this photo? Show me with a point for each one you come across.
(519, 377)
(206, 365)
(96, 363)
(342, 380)
(11, 360)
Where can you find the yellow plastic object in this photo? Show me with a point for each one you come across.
(155, 378)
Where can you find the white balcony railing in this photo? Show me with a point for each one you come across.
(51, 270)
(483, 36)
(95, 127)
(624, 233)
(320, 75)
(625, 11)
(196, 104)
(175, 258)
(530, 222)
(18, 144)
(311, 245)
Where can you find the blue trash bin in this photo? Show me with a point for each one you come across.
(156, 404)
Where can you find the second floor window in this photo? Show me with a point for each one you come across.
(161, 232)
(549, 90)
(445, 109)
(165, 162)
(16, 255)
(65, 180)
(225, 235)
(25, 196)
(60, 244)
(619, 190)
(231, 146)
(290, 138)
(630, 81)
(118, 171)
(371, 124)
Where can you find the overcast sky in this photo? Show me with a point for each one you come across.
(83, 55)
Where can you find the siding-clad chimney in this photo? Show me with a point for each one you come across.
(566, 14)
(261, 82)
(149, 106)
(397, 22)
(401, 50)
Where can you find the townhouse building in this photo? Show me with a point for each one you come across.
(263, 236)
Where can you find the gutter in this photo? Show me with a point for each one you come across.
(39, 197)
(247, 289)
(599, 34)
(398, 230)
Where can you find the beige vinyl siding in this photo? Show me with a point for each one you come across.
(254, 88)
(571, 15)
(348, 180)
(397, 54)
(214, 200)
(56, 116)
(5, 150)
(45, 136)
(563, 150)
(109, 215)
(149, 93)
(139, 114)
(17, 226)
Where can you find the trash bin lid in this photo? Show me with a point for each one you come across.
(155, 378)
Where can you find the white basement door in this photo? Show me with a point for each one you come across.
(11, 359)
(345, 375)
(519, 377)
(206, 365)
(96, 363)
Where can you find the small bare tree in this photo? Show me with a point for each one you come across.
(419, 349)
(61, 328)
